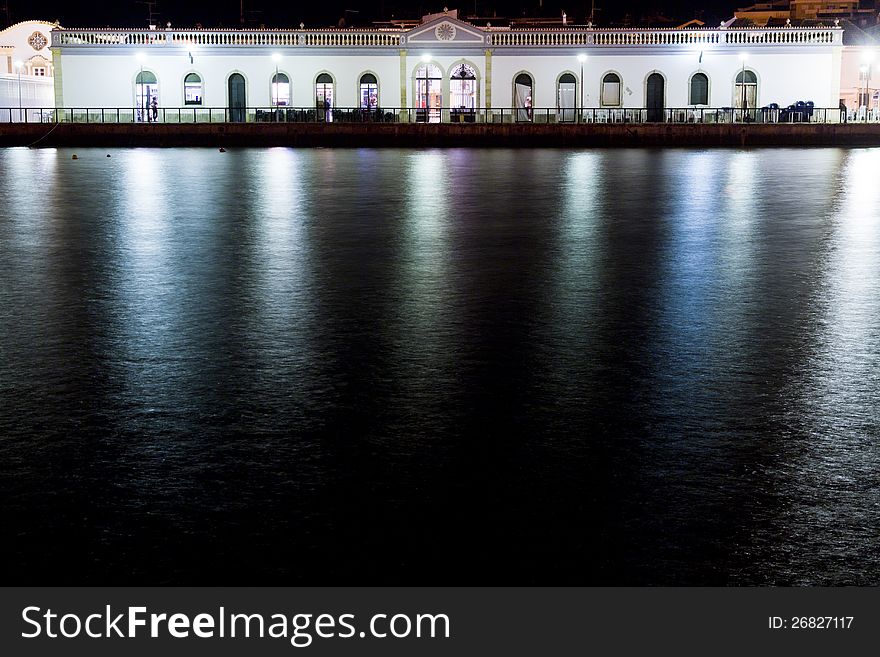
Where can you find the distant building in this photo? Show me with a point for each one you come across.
(860, 71)
(778, 11)
(812, 9)
(762, 12)
(26, 68)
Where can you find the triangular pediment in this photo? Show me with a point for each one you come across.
(446, 30)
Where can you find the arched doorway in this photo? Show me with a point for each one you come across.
(146, 95)
(655, 98)
(523, 96)
(566, 94)
(369, 92)
(324, 96)
(237, 98)
(746, 93)
(463, 93)
(429, 94)
(280, 90)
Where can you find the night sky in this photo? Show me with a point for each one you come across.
(214, 13)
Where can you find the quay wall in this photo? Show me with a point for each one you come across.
(437, 135)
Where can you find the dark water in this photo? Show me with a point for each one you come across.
(447, 367)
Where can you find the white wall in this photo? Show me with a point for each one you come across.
(92, 78)
(114, 86)
(35, 92)
(783, 77)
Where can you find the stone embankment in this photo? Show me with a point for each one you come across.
(435, 135)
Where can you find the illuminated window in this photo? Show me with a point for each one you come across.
(280, 89)
(192, 89)
(369, 91)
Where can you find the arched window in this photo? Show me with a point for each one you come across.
(429, 94)
(523, 92)
(280, 89)
(369, 91)
(463, 88)
(192, 89)
(324, 96)
(146, 94)
(746, 90)
(566, 95)
(611, 90)
(237, 98)
(699, 89)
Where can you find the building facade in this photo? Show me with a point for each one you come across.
(445, 66)
(26, 69)
(863, 14)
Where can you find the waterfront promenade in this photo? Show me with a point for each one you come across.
(434, 135)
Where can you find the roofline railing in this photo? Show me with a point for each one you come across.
(225, 38)
(670, 37)
(494, 37)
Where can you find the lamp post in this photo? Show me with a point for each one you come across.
(276, 57)
(140, 85)
(582, 58)
(19, 65)
(867, 58)
(743, 57)
(426, 59)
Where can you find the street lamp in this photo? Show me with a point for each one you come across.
(276, 57)
(743, 106)
(867, 58)
(140, 57)
(426, 59)
(19, 64)
(582, 58)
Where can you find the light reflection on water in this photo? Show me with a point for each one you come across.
(832, 480)
(630, 366)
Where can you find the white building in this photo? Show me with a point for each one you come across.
(443, 69)
(26, 69)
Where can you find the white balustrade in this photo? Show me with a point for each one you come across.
(498, 37)
(230, 38)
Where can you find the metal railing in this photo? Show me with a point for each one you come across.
(798, 113)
